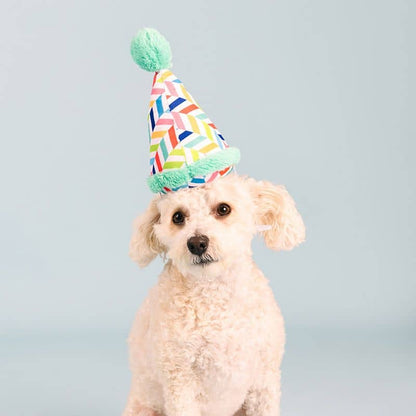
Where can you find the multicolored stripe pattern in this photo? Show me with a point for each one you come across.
(180, 132)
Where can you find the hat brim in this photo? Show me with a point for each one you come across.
(177, 178)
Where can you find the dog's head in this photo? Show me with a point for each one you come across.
(205, 230)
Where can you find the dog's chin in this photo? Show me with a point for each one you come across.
(204, 266)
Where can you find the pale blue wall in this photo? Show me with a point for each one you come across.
(326, 87)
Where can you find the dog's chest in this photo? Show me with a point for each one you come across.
(221, 334)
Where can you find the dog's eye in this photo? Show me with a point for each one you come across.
(223, 209)
(178, 218)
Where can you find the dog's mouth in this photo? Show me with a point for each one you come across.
(203, 260)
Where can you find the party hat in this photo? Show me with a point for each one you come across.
(186, 148)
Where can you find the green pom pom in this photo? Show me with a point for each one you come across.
(151, 51)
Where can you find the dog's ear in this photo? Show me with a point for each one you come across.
(144, 245)
(276, 213)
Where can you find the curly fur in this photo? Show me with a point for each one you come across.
(209, 339)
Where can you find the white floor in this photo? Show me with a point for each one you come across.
(325, 372)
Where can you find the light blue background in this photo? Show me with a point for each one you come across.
(318, 95)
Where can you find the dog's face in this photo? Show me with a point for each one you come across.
(205, 230)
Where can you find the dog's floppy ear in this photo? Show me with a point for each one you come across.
(144, 246)
(276, 212)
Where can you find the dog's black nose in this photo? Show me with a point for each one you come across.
(198, 244)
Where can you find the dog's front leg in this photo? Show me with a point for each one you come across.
(135, 408)
(263, 398)
(179, 394)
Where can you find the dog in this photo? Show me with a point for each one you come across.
(209, 338)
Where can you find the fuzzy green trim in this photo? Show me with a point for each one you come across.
(178, 177)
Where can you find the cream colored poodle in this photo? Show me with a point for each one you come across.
(208, 340)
